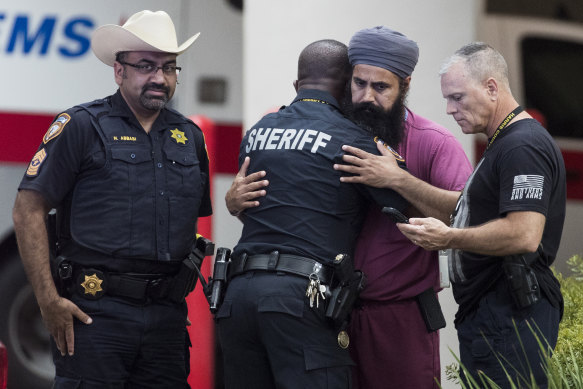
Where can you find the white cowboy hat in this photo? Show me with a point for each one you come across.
(143, 31)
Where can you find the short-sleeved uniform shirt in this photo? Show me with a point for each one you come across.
(140, 195)
(307, 210)
(522, 170)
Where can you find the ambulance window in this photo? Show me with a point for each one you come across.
(553, 82)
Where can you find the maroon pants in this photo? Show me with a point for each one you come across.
(392, 348)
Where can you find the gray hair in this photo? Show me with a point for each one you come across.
(481, 61)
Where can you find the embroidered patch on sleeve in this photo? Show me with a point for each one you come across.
(527, 186)
(56, 128)
(397, 155)
(34, 165)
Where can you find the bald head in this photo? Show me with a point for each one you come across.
(324, 65)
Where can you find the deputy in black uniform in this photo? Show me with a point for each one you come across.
(129, 178)
(272, 334)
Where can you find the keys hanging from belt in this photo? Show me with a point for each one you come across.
(315, 290)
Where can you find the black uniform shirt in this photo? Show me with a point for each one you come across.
(140, 195)
(307, 210)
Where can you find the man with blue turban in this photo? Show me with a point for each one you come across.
(390, 342)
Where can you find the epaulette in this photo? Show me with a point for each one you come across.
(95, 108)
(177, 117)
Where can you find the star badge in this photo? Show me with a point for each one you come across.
(178, 136)
(92, 284)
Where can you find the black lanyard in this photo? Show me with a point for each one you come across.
(504, 124)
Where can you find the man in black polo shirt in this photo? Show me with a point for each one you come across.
(270, 332)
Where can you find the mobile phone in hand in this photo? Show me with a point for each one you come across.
(395, 215)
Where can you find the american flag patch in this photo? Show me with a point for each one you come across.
(527, 186)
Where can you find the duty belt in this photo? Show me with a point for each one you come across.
(276, 262)
(93, 284)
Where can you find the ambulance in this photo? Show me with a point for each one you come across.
(542, 43)
(48, 66)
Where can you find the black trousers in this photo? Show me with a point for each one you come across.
(126, 346)
(271, 338)
(497, 338)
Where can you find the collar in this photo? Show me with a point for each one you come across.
(119, 107)
(505, 123)
(316, 94)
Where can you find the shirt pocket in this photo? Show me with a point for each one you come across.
(132, 169)
(183, 173)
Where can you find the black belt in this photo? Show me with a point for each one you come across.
(93, 284)
(277, 262)
(138, 288)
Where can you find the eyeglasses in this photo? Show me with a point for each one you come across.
(168, 70)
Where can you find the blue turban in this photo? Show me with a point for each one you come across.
(384, 48)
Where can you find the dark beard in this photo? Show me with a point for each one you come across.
(154, 103)
(387, 125)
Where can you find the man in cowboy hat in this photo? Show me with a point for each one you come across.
(129, 178)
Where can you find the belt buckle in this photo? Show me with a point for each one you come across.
(91, 284)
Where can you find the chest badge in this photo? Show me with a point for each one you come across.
(178, 136)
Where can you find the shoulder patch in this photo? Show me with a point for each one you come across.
(397, 155)
(56, 128)
(37, 160)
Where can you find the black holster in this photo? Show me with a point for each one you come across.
(345, 288)
(185, 281)
(61, 267)
(521, 279)
(62, 270)
(218, 282)
(430, 310)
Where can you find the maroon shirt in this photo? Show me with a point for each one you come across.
(396, 269)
